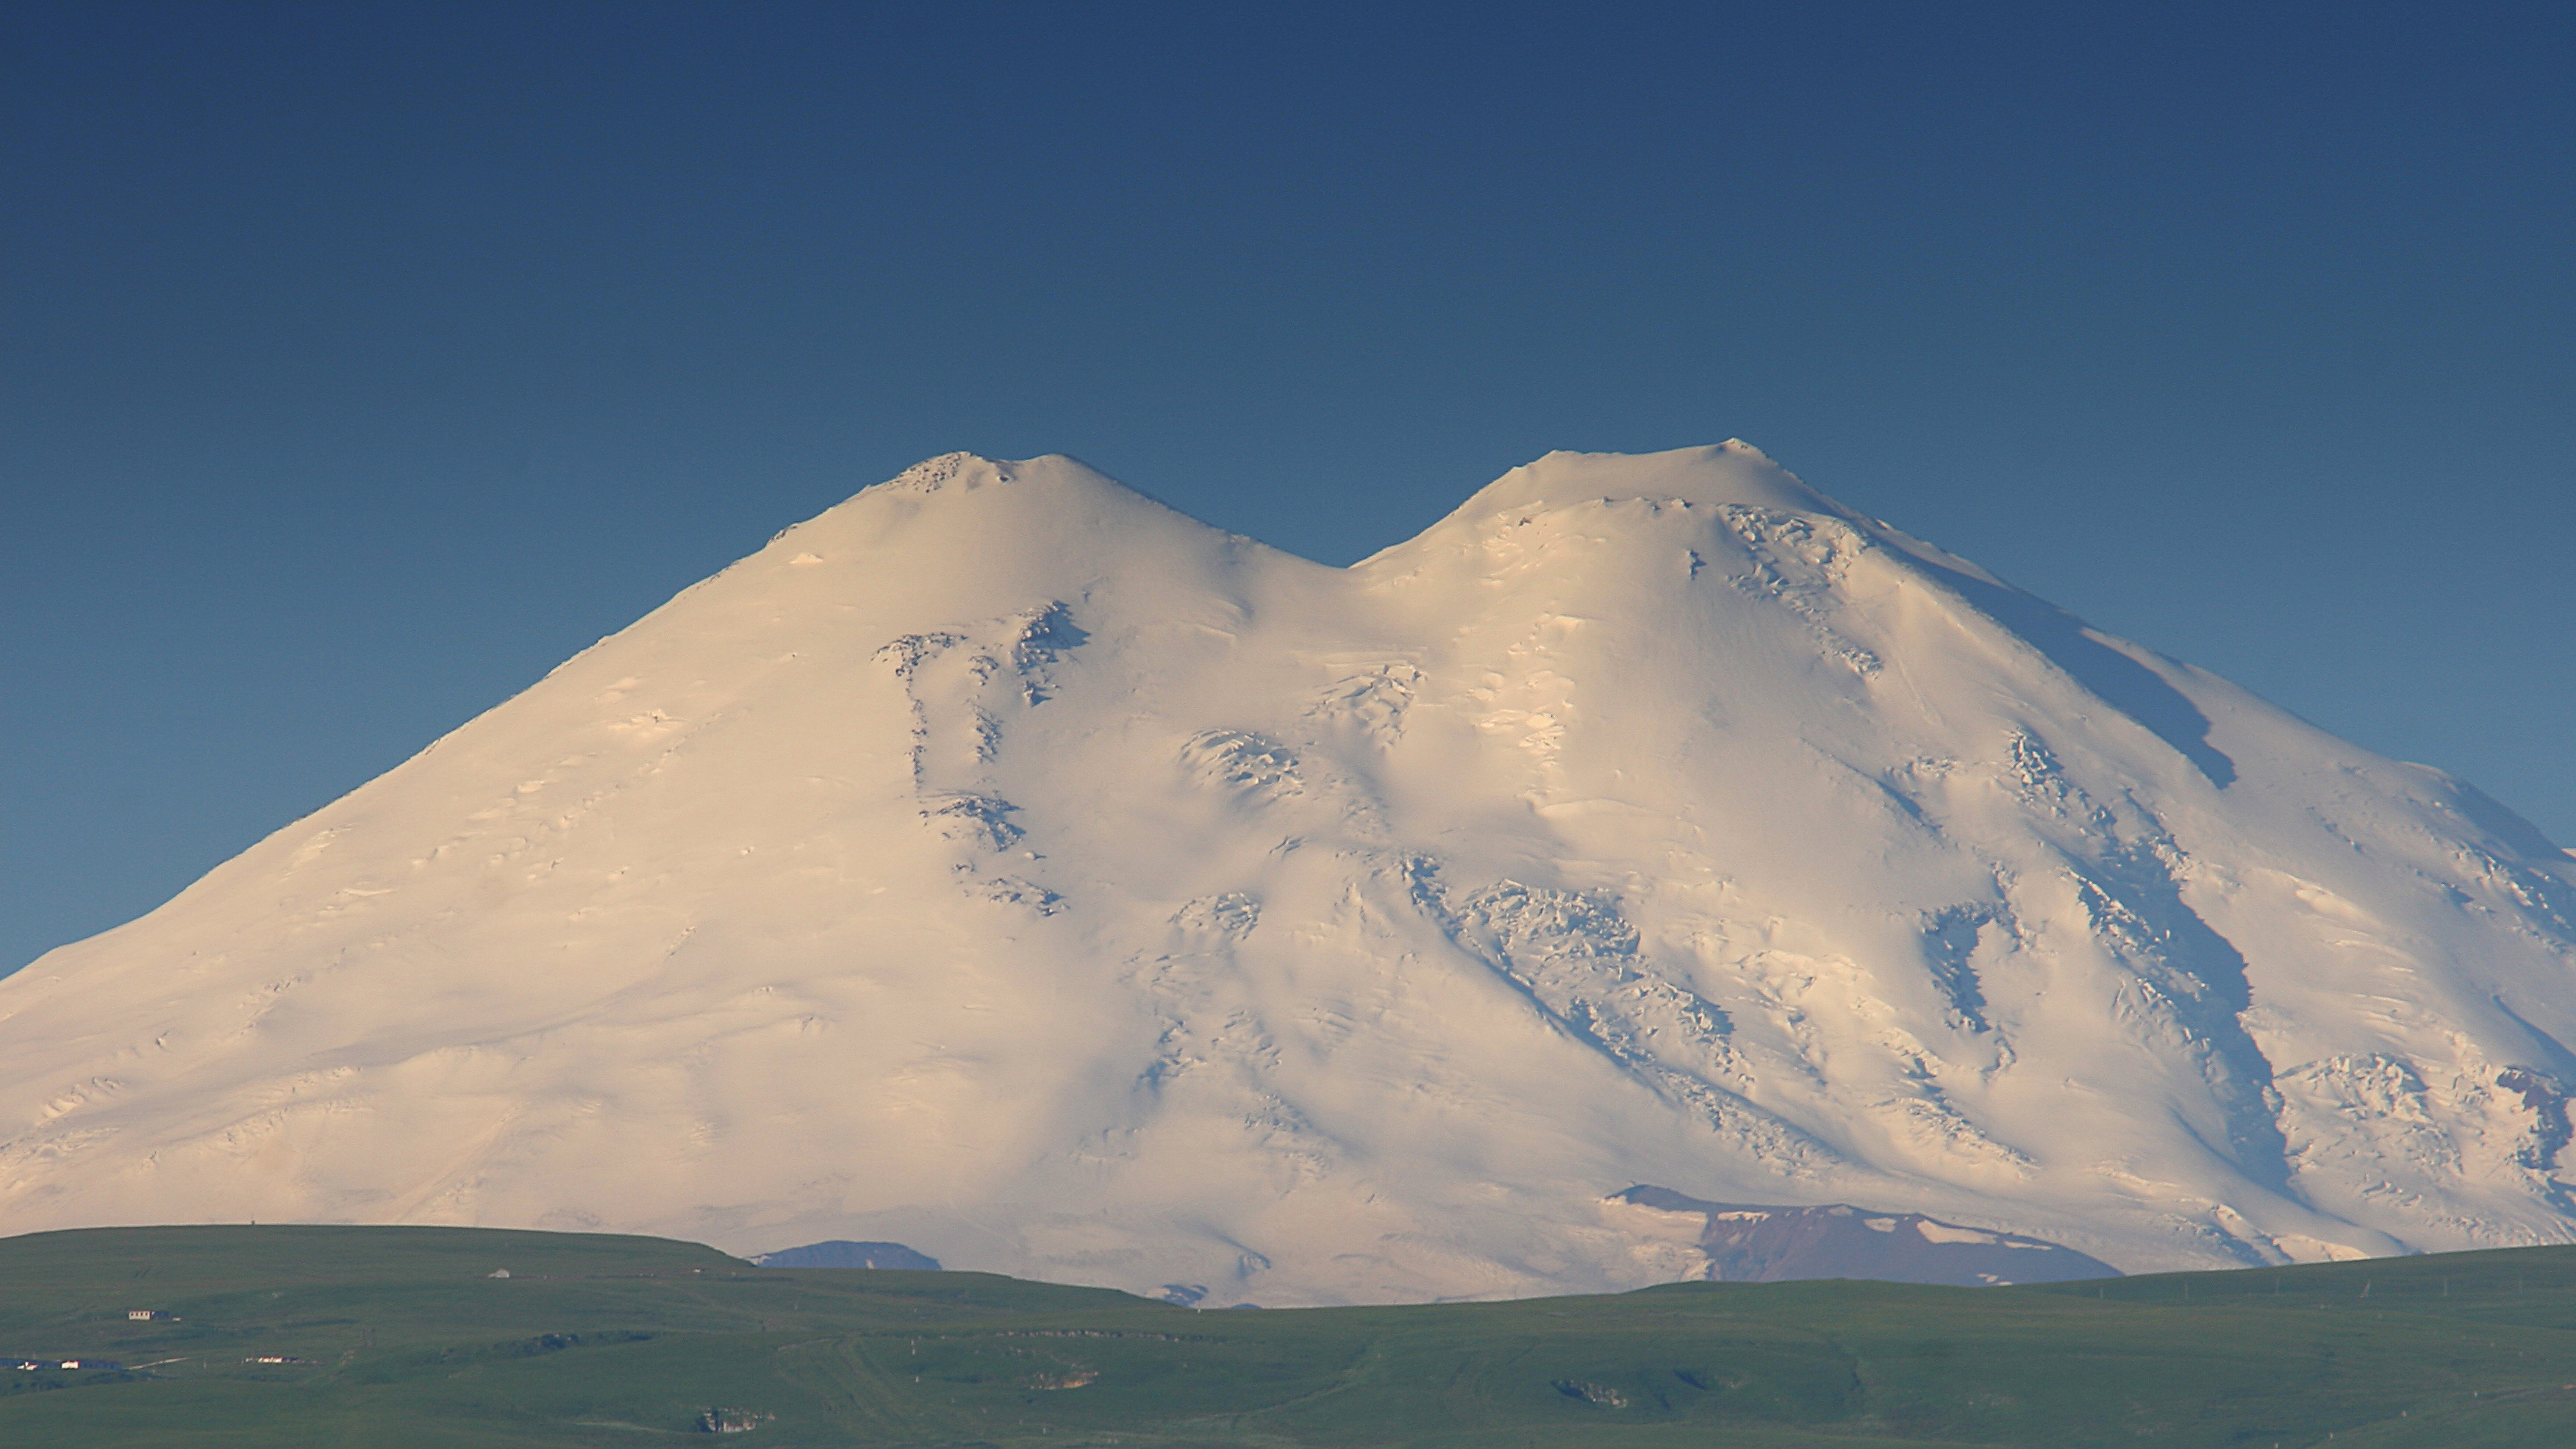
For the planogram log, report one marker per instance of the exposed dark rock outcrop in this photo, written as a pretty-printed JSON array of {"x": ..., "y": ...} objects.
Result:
[{"x": 1748, "y": 1243}]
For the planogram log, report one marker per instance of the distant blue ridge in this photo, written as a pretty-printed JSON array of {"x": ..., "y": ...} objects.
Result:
[{"x": 841, "y": 1253}]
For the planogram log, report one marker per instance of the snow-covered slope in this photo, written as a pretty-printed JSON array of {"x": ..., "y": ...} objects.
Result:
[{"x": 1006, "y": 865}]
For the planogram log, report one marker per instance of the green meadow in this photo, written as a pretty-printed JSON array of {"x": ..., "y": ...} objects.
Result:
[{"x": 280, "y": 1337}]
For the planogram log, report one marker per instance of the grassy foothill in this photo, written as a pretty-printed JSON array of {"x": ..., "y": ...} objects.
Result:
[{"x": 280, "y": 1337}]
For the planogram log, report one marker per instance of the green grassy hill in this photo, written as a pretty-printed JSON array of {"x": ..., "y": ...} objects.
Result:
[{"x": 294, "y": 1336}]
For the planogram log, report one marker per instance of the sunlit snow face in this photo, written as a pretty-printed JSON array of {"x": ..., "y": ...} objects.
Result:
[{"x": 1005, "y": 865}]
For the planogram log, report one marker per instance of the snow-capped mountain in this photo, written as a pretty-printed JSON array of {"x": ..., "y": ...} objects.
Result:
[{"x": 1008, "y": 866}]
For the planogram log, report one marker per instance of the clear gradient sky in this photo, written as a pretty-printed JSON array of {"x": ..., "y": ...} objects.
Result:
[{"x": 359, "y": 363}]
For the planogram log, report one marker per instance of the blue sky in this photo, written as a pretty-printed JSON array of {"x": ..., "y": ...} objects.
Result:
[{"x": 363, "y": 362}]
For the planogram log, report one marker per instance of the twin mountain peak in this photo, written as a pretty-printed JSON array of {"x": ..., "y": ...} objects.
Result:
[{"x": 1006, "y": 865}]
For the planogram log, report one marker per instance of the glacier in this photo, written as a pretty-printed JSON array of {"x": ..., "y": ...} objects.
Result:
[{"x": 1007, "y": 865}]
